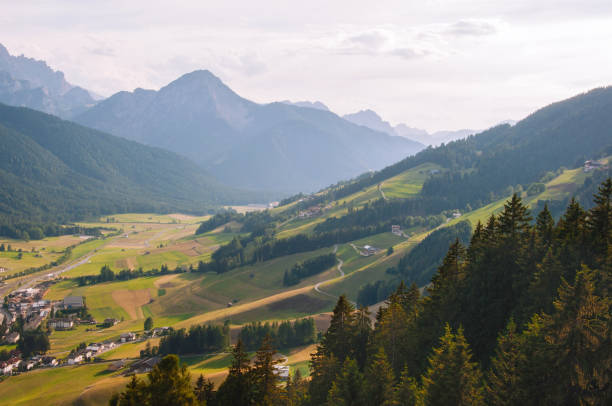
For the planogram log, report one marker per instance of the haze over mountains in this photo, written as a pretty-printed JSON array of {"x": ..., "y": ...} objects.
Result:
[
  {"x": 31, "y": 83},
  {"x": 369, "y": 118},
  {"x": 55, "y": 170},
  {"x": 277, "y": 146}
]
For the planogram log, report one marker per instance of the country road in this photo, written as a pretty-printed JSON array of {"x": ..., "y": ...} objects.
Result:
[
  {"x": 54, "y": 274},
  {"x": 339, "y": 267}
]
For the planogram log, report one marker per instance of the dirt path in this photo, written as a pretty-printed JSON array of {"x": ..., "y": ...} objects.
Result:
[
  {"x": 339, "y": 267},
  {"x": 382, "y": 193}
]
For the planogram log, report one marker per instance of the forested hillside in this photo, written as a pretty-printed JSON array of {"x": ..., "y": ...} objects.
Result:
[
  {"x": 276, "y": 146},
  {"x": 56, "y": 171},
  {"x": 488, "y": 166},
  {"x": 521, "y": 316}
]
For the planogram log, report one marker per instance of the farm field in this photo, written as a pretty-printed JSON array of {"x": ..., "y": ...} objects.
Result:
[
  {"x": 408, "y": 183},
  {"x": 242, "y": 295}
]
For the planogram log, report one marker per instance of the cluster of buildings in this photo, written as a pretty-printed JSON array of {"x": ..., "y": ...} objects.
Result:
[
  {"x": 368, "y": 250},
  {"x": 593, "y": 165},
  {"x": 28, "y": 304},
  {"x": 15, "y": 363},
  {"x": 310, "y": 212},
  {"x": 89, "y": 352}
]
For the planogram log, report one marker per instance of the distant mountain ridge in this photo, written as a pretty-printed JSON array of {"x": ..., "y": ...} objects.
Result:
[
  {"x": 277, "y": 146},
  {"x": 55, "y": 170},
  {"x": 369, "y": 118},
  {"x": 32, "y": 83}
]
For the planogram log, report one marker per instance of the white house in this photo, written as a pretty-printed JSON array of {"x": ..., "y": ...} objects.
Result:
[
  {"x": 75, "y": 359},
  {"x": 127, "y": 337}
]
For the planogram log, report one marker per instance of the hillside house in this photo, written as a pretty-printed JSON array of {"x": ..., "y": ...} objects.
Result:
[
  {"x": 75, "y": 359},
  {"x": 73, "y": 302},
  {"x": 397, "y": 230},
  {"x": 12, "y": 364},
  {"x": 282, "y": 371},
  {"x": 110, "y": 322},
  {"x": 369, "y": 250},
  {"x": 143, "y": 366},
  {"x": 49, "y": 361},
  {"x": 125, "y": 337},
  {"x": 61, "y": 324}
]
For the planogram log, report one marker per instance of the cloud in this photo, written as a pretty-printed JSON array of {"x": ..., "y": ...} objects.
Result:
[
  {"x": 378, "y": 42},
  {"x": 471, "y": 28}
]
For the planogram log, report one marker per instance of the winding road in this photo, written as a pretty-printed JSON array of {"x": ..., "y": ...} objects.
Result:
[{"x": 340, "y": 263}]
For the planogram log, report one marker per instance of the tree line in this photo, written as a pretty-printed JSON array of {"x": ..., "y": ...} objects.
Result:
[
  {"x": 199, "y": 339},
  {"x": 385, "y": 213},
  {"x": 108, "y": 275},
  {"x": 310, "y": 267},
  {"x": 522, "y": 315},
  {"x": 285, "y": 334}
]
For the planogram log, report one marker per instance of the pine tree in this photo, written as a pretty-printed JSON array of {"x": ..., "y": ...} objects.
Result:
[
  {"x": 341, "y": 330},
  {"x": 544, "y": 226},
  {"x": 237, "y": 387},
  {"x": 452, "y": 378},
  {"x": 391, "y": 335},
  {"x": 379, "y": 381},
  {"x": 170, "y": 383},
  {"x": 264, "y": 376},
  {"x": 347, "y": 388},
  {"x": 599, "y": 223},
  {"x": 135, "y": 394},
  {"x": 407, "y": 391},
  {"x": 362, "y": 336},
  {"x": 579, "y": 334},
  {"x": 204, "y": 391},
  {"x": 504, "y": 385}
]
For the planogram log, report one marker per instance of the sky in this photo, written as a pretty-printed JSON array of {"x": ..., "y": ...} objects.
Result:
[{"x": 432, "y": 64}]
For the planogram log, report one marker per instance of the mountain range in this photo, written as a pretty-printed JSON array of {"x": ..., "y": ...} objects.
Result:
[
  {"x": 31, "y": 83},
  {"x": 53, "y": 170},
  {"x": 369, "y": 118},
  {"x": 277, "y": 146}
]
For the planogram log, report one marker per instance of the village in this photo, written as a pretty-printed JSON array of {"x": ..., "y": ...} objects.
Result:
[{"x": 25, "y": 310}]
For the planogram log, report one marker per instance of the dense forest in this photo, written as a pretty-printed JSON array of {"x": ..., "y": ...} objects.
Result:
[
  {"x": 200, "y": 339},
  {"x": 54, "y": 171},
  {"x": 286, "y": 334},
  {"x": 482, "y": 167},
  {"x": 520, "y": 316},
  {"x": 308, "y": 268},
  {"x": 418, "y": 265}
]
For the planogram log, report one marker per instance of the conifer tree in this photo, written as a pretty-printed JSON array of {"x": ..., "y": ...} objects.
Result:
[
  {"x": 347, "y": 388},
  {"x": 264, "y": 376},
  {"x": 237, "y": 387},
  {"x": 341, "y": 330},
  {"x": 379, "y": 381},
  {"x": 408, "y": 391},
  {"x": 579, "y": 335},
  {"x": 504, "y": 387},
  {"x": 599, "y": 223},
  {"x": 170, "y": 383},
  {"x": 452, "y": 378},
  {"x": 204, "y": 391},
  {"x": 544, "y": 226}
]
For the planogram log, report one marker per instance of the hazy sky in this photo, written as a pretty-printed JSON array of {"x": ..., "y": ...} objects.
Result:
[{"x": 432, "y": 64}]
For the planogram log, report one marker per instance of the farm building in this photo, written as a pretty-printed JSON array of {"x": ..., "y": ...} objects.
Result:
[
  {"x": 61, "y": 324},
  {"x": 73, "y": 302},
  {"x": 125, "y": 337}
]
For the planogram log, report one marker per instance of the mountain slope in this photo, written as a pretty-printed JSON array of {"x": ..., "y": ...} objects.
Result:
[
  {"x": 31, "y": 83},
  {"x": 54, "y": 170},
  {"x": 371, "y": 119},
  {"x": 200, "y": 117},
  {"x": 483, "y": 167}
]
